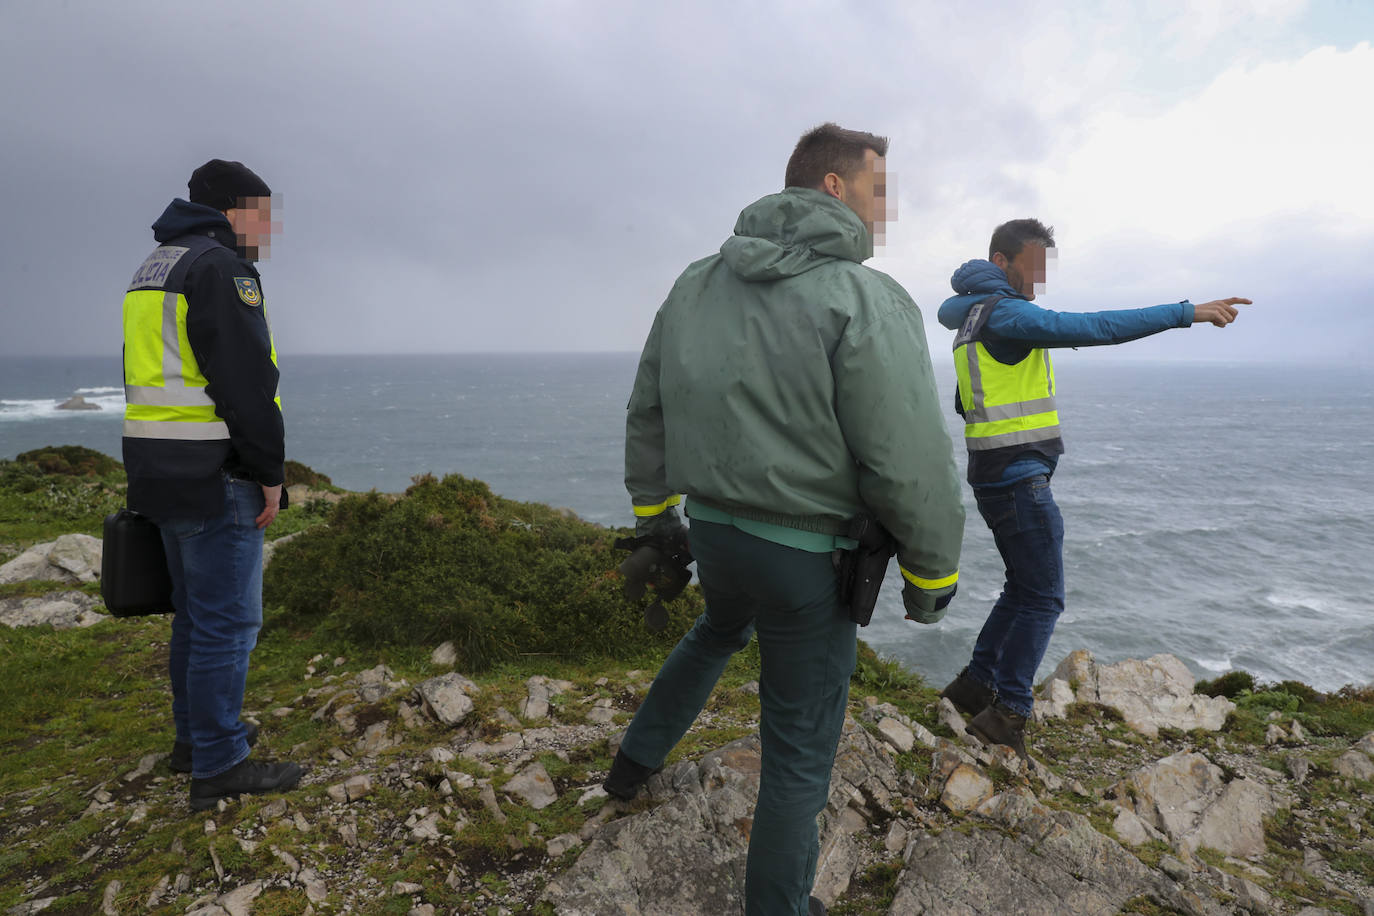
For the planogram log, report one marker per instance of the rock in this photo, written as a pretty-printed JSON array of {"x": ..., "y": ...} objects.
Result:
[
  {"x": 59, "y": 610},
  {"x": 356, "y": 787},
  {"x": 895, "y": 841},
  {"x": 269, "y": 548},
  {"x": 424, "y": 909},
  {"x": 337, "y": 793},
  {"x": 1299, "y": 768},
  {"x": 1132, "y": 831},
  {"x": 562, "y": 843},
  {"x": 447, "y": 697},
  {"x": 1275, "y": 734},
  {"x": 427, "y": 828},
  {"x": 1185, "y": 797},
  {"x": 375, "y": 684},
  {"x": 237, "y": 902},
  {"x": 445, "y": 655},
  {"x": 965, "y": 789},
  {"x": 1366, "y": 744},
  {"x": 533, "y": 786},
  {"x": 107, "y": 901},
  {"x": 603, "y": 713},
  {"x": 1151, "y": 694},
  {"x": 374, "y": 740},
  {"x": 536, "y": 704},
  {"x": 1054, "y": 700},
  {"x": 897, "y": 734},
  {"x": 77, "y": 402},
  {"x": 315, "y": 890},
  {"x": 145, "y": 766},
  {"x": 701, "y": 824},
  {"x": 949, "y": 717},
  {"x": 71, "y": 558},
  {"x": 32, "y": 906},
  {"x": 1354, "y": 764}
]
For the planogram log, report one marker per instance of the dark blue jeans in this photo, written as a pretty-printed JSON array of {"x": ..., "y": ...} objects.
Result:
[
  {"x": 807, "y": 647},
  {"x": 1029, "y": 532},
  {"x": 216, "y": 567}
]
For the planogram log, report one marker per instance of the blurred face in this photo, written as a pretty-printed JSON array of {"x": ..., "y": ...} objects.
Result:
[
  {"x": 1028, "y": 271},
  {"x": 253, "y": 226},
  {"x": 866, "y": 193}
]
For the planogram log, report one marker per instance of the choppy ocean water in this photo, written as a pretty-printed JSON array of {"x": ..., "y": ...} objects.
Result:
[{"x": 1224, "y": 513}]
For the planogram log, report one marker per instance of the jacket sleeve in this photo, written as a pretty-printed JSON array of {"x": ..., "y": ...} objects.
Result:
[
  {"x": 1025, "y": 322},
  {"x": 234, "y": 348},
  {"x": 889, "y": 411},
  {"x": 646, "y": 474}
]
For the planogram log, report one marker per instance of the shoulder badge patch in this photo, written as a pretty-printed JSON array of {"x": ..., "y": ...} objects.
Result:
[{"x": 248, "y": 290}]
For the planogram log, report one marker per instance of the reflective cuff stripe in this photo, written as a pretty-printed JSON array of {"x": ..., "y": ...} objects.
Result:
[
  {"x": 1013, "y": 411},
  {"x": 917, "y": 581},
  {"x": 991, "y": 440},
  {"x": 174, "y": 429},
  {"x": 651, "y": 511},
  {"x": 167, "y": 397}
]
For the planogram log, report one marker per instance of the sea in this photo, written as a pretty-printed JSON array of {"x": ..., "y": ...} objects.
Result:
[{"x": 1223, "y": 513}]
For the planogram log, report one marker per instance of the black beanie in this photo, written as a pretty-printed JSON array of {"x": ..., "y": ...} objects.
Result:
[{"x": 220, "y": 184}]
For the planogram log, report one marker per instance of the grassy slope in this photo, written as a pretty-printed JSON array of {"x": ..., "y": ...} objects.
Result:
[{"x": 78, "y": 709}]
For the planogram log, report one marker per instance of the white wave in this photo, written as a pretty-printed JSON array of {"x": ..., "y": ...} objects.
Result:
[
  {"x": 106, "y": 389},
  {"x": 1325, "y": 607},
  {"x": 1214, "y": 664},
  {"x": 16, "y": 409}
]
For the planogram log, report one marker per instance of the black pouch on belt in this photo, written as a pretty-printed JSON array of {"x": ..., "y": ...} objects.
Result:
[
  {"x": 133, "y": 567},
  {"x": 861, "y": 570}
]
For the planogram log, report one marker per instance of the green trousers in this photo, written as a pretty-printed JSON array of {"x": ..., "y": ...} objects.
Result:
[{"x": 807, "y": 645}]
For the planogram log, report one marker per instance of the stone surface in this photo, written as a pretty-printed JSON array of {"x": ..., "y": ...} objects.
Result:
[
  {"x": 965, "y": 789},
  {"x": 1151, "y": 694},
  {"x": 1354, "y": 764},
  {"x": 73, "y": 558},
  {"x": 444, "y": 655},
  {"x": 897, "y": 734},
  {"x": 1185, "y": 797},
  {"x": 1053, "y": 700},
  {"x": 533, "y": 786},
  {"x": 701, "y": 824},
  {"x": 59, "y": 610},
  {"x": 447, "y": 697}
]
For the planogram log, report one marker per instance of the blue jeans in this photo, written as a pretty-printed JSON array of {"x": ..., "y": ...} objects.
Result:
[
  {"x": 1029, "y": 532},
  {"x": 807, "y": 647},
  {"x": 216, "y": 568}
]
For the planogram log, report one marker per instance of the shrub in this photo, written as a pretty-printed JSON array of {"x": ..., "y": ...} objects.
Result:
[
  {"x": 69, "y": 461},
  {"x": 452, "y": 561},
  {"x": 1229, "y": 685},
  {"x": 296, "y": 472}
]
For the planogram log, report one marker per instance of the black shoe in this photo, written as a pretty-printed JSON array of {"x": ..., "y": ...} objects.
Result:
[
  {"x": 626, "y": 777},
  {"x": 967, "y": 695},
  {"x": 247, "y": 777},
  {"x": 999, "y": 725},
  {"x": 180, "y": 761},
  {"x": 815, "y": 908}
]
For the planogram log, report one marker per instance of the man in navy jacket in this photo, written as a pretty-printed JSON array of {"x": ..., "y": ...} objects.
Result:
[{"x": 1007, "y": 398}]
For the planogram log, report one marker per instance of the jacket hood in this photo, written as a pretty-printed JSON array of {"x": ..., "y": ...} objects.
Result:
[
  {"x": 973, "y": 281},
  {"x": 185, "y": 218},
  {"x": 786, "y": 234}
]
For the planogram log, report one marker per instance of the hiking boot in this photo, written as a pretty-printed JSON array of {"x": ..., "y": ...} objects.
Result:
[
  {"x": 247, "y": 777},
  {"x": 999, "y": 725},
  {"x": 626, "y": 777},
  {"x": 967, "y": 695},
  {"x": 180, "y": 761},
  {"x": 814, "y": 907}
]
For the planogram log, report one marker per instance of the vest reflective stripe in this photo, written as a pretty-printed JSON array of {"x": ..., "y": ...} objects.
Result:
[
  {"x": 167, "y": 397},
  {"x": 175, "y": 429},
  {"x": 651, "y": 511}
]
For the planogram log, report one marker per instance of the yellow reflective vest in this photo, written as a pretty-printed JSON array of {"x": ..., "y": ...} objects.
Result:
[{"x": 1007, "y": 409}]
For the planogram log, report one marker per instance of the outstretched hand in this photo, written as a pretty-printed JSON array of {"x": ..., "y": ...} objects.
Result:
[{"x": 1219, "y": 312}]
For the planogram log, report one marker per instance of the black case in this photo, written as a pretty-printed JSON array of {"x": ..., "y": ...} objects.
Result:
[{"x": 133, "y": 567}]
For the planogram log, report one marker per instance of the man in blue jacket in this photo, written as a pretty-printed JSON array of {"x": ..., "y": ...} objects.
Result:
[{"x": 1011, "y": 428}]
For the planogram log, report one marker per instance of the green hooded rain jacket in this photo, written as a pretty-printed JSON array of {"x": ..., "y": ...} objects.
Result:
[{"x": 784, "y": 382}]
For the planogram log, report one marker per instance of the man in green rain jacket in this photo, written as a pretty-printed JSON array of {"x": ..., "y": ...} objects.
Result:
[{"x": 785, "y": 389}]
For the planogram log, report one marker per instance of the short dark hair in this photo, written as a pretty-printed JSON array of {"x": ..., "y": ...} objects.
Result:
[
  {"x": 829, "y": 148},
  {"x": 1010, "y": 237}
]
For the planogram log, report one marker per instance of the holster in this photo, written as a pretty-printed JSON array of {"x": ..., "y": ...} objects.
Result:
[{"x": 861, "y": 569}]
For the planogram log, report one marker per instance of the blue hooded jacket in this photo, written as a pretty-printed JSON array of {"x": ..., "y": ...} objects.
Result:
[{"x": 1018, "y": 326}]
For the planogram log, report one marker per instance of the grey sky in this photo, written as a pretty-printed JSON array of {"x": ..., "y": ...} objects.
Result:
[{"x": 533, "y": 176}]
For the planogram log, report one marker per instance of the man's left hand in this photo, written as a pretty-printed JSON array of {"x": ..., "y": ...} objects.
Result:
[{"x": 272, "y": 505}]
